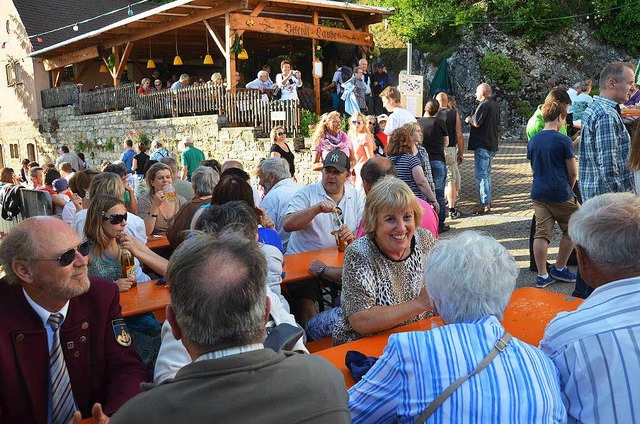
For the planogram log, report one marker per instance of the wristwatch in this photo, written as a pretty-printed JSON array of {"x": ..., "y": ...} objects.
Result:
[{"x": 321, "y": 270}]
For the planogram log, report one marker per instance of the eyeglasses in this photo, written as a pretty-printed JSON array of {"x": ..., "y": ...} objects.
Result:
[
  {"x": 158, "y": 84},
  {"x": 115, "y": 218},
  {"x": 67, "y": 257},
  {"x": 279, "y": 134},
  {"x": 357, "y": 122},
  {"x": 372, "y": 123}
]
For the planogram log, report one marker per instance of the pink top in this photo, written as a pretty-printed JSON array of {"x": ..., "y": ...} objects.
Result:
[
  {"x": 329, "y": 143},
  {"x": 429, "y": 220}
]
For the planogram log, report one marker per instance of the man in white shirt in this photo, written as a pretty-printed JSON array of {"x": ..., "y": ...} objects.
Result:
[
  {"x": 263, "y": 82},
  {"x": 596, "y": 347},
  {"x": 398, "y": 116},
  {"x": 279, "y": 188}
]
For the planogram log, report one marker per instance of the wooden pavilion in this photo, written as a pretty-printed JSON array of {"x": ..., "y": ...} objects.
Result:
[{"x": 267, "y": 28}]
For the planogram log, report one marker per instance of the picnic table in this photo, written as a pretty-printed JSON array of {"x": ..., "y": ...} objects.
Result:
[{"x": 526, "y": 317}]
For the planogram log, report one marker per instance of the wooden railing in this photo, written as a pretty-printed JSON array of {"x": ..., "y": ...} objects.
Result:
[
  {"x": 60, "y": 96},
  {"x": 108, "y": 99}
]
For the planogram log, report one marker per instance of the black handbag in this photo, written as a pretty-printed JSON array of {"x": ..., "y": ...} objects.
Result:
[
  {"x": 283, "y": 337},
  {"x": 276, "y": 93}
]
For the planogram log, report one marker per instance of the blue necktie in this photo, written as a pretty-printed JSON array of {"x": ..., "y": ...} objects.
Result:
[{"x": 61, "y": 395}]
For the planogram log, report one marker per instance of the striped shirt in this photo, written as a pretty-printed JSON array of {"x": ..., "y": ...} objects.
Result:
[
  {"x": 405, "y": 163},
  {"x": 520, "y": 385},
  {"x": 597, "y": 351},
  {"x": 603, "y": 151}
]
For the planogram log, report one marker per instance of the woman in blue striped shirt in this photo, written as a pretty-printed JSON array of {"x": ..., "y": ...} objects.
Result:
[{"x": 469, "y": 279}]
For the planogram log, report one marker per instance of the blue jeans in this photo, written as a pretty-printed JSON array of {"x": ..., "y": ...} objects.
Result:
[
  {"x": 483, "y": 159},
  {"x": 439, "y": 172}
]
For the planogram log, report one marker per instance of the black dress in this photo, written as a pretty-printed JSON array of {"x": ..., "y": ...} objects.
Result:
[
  {"x": 288, "y": 156},
  {"x": 141, "y": 161}
]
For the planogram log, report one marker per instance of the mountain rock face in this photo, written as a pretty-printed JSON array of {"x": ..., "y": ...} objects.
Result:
[{"x": 562, "y": 60}]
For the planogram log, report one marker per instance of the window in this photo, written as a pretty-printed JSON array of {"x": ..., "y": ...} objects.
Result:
[
  {"x": 31, "y": 152},
  {"x": 14, "y": 150},
  {"x": 14, "y": 73}
]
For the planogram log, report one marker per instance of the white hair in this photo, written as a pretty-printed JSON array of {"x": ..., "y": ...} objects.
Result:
[
  {"x": 469, "y": 277},
  {"x": 277, "y": 167},
  {"x": 187, "y": 140},
  {"x": 260, "y": 73},
  {"x": 607, "y": 227}
]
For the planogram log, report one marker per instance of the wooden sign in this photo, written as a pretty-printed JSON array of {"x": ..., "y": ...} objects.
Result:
[
  {"x": 71, "y": 58},
  {"x": 299, "y": 29}
]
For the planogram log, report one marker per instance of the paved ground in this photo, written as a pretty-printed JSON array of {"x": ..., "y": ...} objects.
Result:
[{"x": 510, "y": 217}]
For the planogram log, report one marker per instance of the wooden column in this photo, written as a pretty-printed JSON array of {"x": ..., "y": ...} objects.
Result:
[
  {"x": 114, "y": 72},
  {"x": 316, "y": 81},
  {"x": 231, "y": 63}
]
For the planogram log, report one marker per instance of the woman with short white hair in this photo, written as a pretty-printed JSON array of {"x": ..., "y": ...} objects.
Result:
[{"x": 469, "y": 279}]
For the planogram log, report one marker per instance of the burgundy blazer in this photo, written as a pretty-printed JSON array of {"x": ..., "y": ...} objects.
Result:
[{"x": 100, "y": 369}]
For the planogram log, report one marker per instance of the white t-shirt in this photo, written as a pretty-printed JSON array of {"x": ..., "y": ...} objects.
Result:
[
  {"x": 317, "y": 234},
  {"x": 276, "y": 202},
  {"x": 398, "y": 118},
  {"x": 290, "y": 90},
  {"x": 135, "y": 226}
]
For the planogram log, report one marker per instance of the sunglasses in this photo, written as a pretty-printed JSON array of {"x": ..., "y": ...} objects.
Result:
[
  {"x": 357, "y": 122},
  {"x": 67, "y": 257},
  {"x": 158, "y": 84},
  {"x": 115, "y": 218},
  {"x": 279, "y": 134}
]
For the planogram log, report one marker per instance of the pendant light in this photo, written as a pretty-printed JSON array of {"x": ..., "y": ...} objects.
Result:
[
  {"x": 177, "y": 61},
  {"x": 243, "y": 55},
  {"x": 103, "y": 69},
  {"x": 150, "y": 63},
  {"x": 208, "y": 60}
]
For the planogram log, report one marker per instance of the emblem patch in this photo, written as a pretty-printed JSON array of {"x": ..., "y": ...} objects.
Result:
[{"x": 121, "y": 332}]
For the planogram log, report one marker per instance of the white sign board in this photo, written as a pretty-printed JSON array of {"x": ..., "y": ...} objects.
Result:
[
  {"x": 279, "y": 115},
  {"x": 411, "y": 88}
]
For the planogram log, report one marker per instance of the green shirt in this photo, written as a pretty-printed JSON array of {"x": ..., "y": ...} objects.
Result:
[
  {"x": 536, "y": 124},
  {"x": 191, "y": 158}
]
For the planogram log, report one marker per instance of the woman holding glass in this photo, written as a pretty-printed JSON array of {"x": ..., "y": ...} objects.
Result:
[{"x": 158, "y": 208}]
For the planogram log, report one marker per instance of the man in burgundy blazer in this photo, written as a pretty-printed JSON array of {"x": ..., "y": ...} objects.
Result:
[{"x": 103, "y": 365}]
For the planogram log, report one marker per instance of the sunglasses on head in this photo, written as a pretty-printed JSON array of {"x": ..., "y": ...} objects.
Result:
[
  {"x": 279, "y": 134},
  {"x": 115, "y": 218},
  {"x": 67, "y": 257},
  {"x": 357, "y": 122}
]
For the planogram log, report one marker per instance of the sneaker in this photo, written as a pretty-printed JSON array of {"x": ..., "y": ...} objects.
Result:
[
  {"x": 544, "y": 282},
  {"x": 479, "y": 210},
  {"x": 565, "y": 275},
  {"x": 454, "y": 213},
  {"x": 443, "y": 229}
]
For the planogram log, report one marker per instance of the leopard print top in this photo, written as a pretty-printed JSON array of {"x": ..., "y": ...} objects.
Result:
[{"x": 371, "y": 279}]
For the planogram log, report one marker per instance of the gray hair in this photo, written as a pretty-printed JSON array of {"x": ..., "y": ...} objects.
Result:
[
  {"x": 184, "y": 77},
  {"x": 171, "y": 163},
  {"x": 614, "y": 70},
  {"x": 217, "y": 290},
  {"x": 18, "y": 245},
  {"x": 261, "y": 73},
  {"x": 470, "y": 276},
  {"x": 204, "y": 180},
  {"x": 277, "y": 167},
  {"x": 607, "y": 227}
]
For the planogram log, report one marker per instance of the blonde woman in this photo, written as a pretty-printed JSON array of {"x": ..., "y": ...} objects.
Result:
[
  {"x": 327, "y": 137},
  {"x": 280, "y": 149},
  {"x": 362, "y": 143},
  {"x": 158, "y": 209}
]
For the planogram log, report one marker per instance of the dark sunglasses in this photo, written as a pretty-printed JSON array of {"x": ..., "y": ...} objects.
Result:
[
  {"x": 67, "y": 257},
  {"x": 279, "y": 134},
  {"x": 115, "y": 218},
  {"x": 159, "y": 83},
  {"x": 357, "y": 122}
]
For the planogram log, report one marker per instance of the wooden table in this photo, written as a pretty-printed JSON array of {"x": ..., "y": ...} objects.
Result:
[
  {"x": 145, "y": 297},
  {"x": 630, "y": 111},
  {"x": 527, "y": 315},
  {"x": 296, "y": 266},
  {"x": 156, "y": 243}
]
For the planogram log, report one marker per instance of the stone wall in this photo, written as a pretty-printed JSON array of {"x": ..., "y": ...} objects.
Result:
[
  {"x": 101, "y": 136},
  {"x": 25, "y": 135}
]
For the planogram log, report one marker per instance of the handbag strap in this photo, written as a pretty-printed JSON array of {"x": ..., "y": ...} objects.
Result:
[{"x": 500, "y": 345}]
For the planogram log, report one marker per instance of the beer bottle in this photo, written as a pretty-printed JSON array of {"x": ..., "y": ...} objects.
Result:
[{"x": 128, "y": 265}]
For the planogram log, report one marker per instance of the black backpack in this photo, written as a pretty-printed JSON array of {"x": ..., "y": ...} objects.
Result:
[{"x": 10, "y": 202}]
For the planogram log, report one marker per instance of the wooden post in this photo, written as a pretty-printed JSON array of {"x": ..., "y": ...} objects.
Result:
[
  {"x": 316, "y": 81},
  {"x": 114, "y": 71},
  {"x": 231, "y": 63},
  {"x": 56, "y": 73}
]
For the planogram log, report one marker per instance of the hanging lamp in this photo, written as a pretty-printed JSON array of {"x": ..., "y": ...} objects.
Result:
[
  {"x": 103, "y": 69},
  {"x": 177, "y": 61},
  {"x": 208, "y": 60},
  {"x": 150, "y": 63},
  {"x": 243, "y": 55}
]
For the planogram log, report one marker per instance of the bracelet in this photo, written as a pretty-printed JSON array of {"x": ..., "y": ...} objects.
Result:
[
  {"x": 152, "y": 215},
  {"x": 321, "y": 270}
]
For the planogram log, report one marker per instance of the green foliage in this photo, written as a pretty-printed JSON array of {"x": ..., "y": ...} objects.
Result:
[
  {"x": 142, "y": 138},
  {"x": 502, "y": 70},
  {"x": 523, "y": 108},
  {"x": 308, "y": 120},
  {"x": 534, "y": 21},
  {"x": 80, "y": 146},
  {"x": 619, "y": 26},
  {"x": 110, "y": 146}
]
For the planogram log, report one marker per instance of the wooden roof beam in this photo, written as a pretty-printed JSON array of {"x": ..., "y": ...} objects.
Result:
[
  {"x": 217, "y": 39},
  {"x": 70, "y": 58},
  {"x": 255, "y": 12},
  {"x": 217, "y": 10}
]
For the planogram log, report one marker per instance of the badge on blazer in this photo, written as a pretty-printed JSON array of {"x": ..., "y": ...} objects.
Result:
[{"x": 121, "y": 332}]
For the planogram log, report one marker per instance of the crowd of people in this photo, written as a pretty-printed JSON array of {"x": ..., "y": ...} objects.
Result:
[{"x": 386, "y": 186}]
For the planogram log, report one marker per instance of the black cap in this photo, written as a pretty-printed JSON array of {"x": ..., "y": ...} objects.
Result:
[{"x": 338, "y": 160}]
